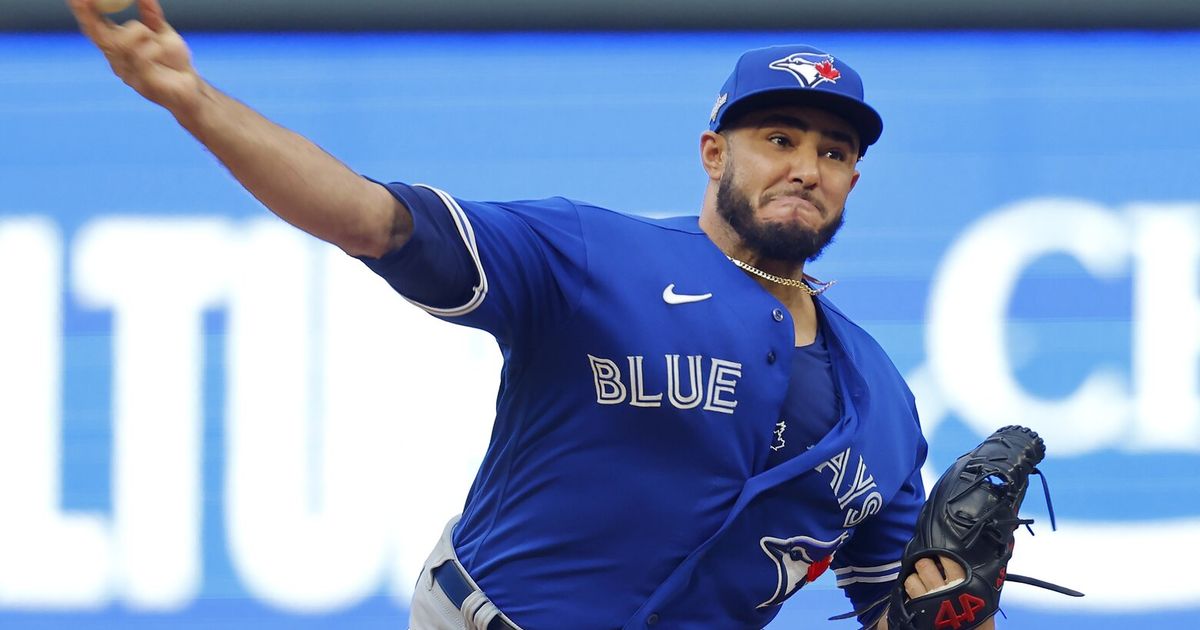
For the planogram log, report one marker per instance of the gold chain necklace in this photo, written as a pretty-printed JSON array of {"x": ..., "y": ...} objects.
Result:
[{"x": 787, "y": 282}]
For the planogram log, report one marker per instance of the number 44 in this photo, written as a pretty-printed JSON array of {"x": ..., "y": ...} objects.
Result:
[{"x": 948, "y": 617}]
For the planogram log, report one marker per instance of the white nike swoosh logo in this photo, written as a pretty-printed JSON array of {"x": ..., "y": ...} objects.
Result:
[{"x": 671, "y": 297}]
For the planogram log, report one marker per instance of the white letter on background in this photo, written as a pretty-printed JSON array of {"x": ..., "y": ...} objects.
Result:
[
  {"x": 47, "y": 559},
  {"x": 967, "y": 312},
  {"x": 157, "y": 275},
  {"x": 355, "y": 424},
  {"x": 1166, "y": 331}
]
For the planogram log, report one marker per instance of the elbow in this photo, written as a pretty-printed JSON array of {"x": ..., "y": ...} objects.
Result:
[
  {"x": 364, "y": 246},
  {"x": 385, "y": 226},
  {"x": 370, "y": 241}
]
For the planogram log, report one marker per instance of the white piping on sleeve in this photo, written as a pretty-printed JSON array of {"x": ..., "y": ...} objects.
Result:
[
  {"x": 856, "y": 575},
  {"x": 468, "y": 236},
  {"x": 876, "y": 569},
  {"x": 869, "y": 580}
]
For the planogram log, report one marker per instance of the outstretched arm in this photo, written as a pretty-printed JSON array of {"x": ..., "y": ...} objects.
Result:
[{"x": 289, "y": 174}]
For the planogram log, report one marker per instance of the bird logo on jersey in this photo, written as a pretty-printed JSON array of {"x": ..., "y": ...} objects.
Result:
[
  {"x": 810, "y": 69},
  {"x": 798, "y": 561}
]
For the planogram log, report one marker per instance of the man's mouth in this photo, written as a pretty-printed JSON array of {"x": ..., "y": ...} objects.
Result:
[{"x": 797, "y": 200}]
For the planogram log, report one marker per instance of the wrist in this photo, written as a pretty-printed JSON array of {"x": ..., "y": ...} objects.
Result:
[{"x": 194, "y": 109}]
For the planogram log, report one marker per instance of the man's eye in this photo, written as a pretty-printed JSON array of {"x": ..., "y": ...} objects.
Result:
[
  {"x": 780, "y": 141},
  {"x": 835, "y": 154}
]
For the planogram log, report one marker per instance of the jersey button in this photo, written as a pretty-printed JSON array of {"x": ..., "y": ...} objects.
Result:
[
  {"x": 652, "y": 619},
  {"x": 777, "y": 314},
  {"x": 771, "y": 357}
]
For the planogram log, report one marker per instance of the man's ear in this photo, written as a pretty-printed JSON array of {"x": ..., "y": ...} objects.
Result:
[{"x": 714, "y": 154}]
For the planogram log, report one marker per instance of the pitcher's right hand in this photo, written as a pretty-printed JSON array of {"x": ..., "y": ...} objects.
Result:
[{"x": 147, "y": 54}]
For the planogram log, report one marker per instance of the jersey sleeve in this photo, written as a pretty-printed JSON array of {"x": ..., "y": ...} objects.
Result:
[
  {"x": 512, "y": 268},
  {"x": 868, "y": 566}
]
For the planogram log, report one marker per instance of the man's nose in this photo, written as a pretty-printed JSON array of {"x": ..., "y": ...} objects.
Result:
[{"x": 805, "y": 167}]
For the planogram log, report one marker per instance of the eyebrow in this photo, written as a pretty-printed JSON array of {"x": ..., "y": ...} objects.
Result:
[{"x": 795, "y": 122}]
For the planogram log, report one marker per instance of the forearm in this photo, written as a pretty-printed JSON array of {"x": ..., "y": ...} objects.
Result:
[
  {"x": 295, "y": 178},
  {"x": 290, "y": 175}
]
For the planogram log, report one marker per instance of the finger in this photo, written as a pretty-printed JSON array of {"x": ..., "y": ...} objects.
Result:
[
  {"x": 147, "y": 54},
  {"x": 914, "y": 586},
  {"x": 152, "y": 14},
  {"x": 92, "y": 22},
  {"x": 147, "y": 64},
  {"x": 126, "y": 38},
  {"x": 952, "y": 569},
  {"x": 930, "y": 574},
  {"x": 133, "y": 30}
]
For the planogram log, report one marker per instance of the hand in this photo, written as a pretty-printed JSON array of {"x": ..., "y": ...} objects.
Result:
[
  {"x": 931, "y": 576},
  {"x": 148, "y": 55}
]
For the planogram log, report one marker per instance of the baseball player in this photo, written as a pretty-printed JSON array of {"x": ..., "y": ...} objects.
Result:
[{"x": 687, "y": 431}]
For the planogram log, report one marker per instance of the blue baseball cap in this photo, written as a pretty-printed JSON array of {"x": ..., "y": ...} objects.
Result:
[{"x": 796, "y": 74}]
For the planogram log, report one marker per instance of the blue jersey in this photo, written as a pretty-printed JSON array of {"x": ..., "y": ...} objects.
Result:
[{"x": 628, "y": 478}]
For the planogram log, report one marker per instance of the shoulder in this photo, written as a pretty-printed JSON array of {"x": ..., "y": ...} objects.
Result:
[
  {"x": 554, "y": 209},
  {"x": 615, "y": 219}
]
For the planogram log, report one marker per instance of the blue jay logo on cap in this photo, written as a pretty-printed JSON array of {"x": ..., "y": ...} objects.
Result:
[
  {"x": 810, "y": 69},
  {"x": 721, "y": 100}
]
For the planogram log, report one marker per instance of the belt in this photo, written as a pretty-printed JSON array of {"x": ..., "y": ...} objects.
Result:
[{"x": 456, "y": 587}]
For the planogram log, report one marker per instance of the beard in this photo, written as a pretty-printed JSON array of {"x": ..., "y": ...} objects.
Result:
[{"x": 785, "y": 242}]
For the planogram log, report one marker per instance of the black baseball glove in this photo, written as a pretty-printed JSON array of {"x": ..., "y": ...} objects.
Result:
[{"x": 970, "y": 518}]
